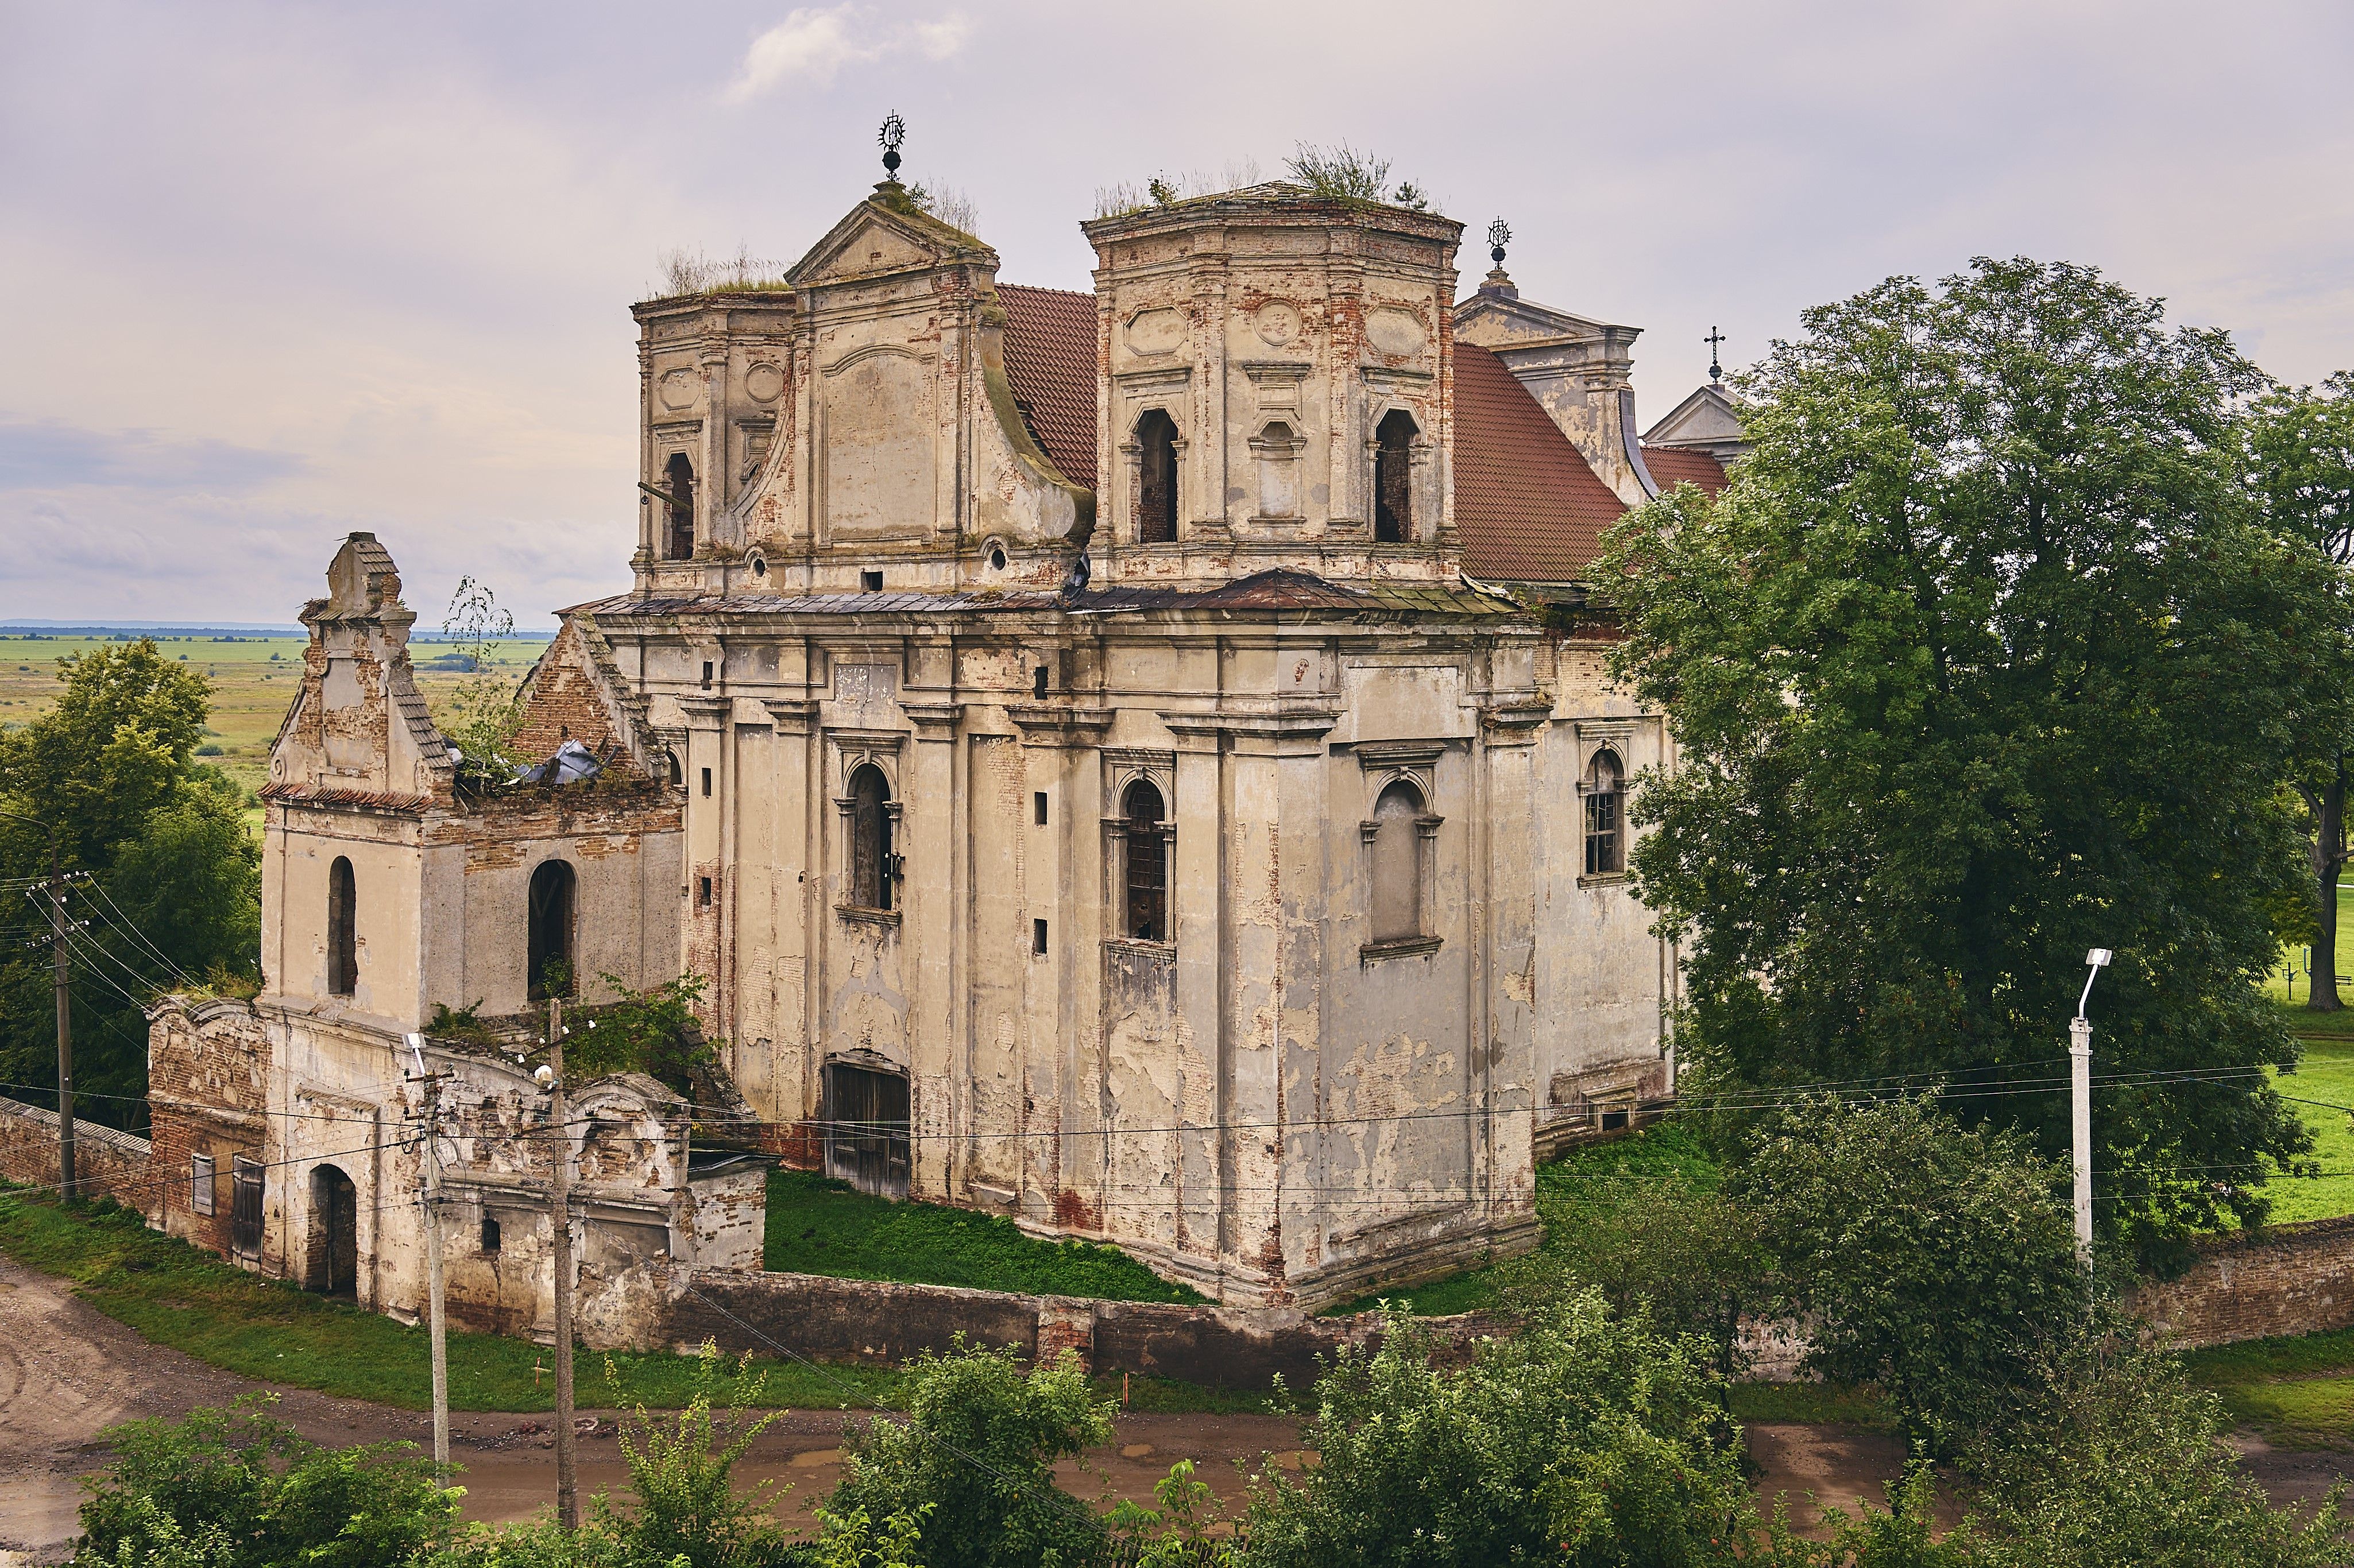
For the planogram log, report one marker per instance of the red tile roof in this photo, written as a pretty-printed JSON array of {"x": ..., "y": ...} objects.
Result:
[
  {"x": 1527, "y": 506},
  {"x": 1672, "y": 466},
  {"x": 1050, "y": 358}
]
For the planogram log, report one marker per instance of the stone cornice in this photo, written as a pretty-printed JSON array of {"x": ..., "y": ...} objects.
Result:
[{"x": 1051, "y": 724}]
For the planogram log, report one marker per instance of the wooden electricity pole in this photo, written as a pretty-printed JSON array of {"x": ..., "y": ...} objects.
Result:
[
  {"x": 568, "y": 1490},
  {"x": 437, "y": 1323}
]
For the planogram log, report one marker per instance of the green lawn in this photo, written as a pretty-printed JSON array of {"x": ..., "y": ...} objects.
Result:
[
  {"x": 2294, "y": 1394},
  {"x": 822, "y": 1226}
]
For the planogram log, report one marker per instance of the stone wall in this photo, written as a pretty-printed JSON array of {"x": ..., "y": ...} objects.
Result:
[
  {"x": 108, "y": 1162},
  {"x": 2290, "y": 1279}
]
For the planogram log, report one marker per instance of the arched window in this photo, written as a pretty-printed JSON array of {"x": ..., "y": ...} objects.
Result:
[
  {"x": 677, "y": 770},
  {"x": 1605, "y": 832},
  {"x": 1156, "y": 492},
  {"x": 1397, "y": 864},
  {"x": 342, "y": 930},
  {"x": 1393, "y": 475},
  {"x": 679, "y": 479},
  {"x": 1148, "y": 863},
  {"x": 870, "y": 839},
  {"x": 1278, "y": 470},
  {"x": 550, "y": 946}
]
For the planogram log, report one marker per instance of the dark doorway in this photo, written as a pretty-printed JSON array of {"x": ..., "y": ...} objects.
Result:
[
  {"x": 678, "y": 480},
  {"x": 245, "y": 1206},
  {"x": 1156, "y": 499},
  {"x": 334, "y": 1255},
  {"x": 550, "y": 941},
  {"x": 866, "y": 1129}
]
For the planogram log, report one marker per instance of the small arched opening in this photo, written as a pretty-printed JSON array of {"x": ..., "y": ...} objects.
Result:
[
  {"x": 549, "y": 949},
  {"x": 1156, "y": 489},
  {"x": 1393, "y": 478},
  {"x": 679, "y": 481},
  {"x": 1146, "y": 912},
  {"x": 332, "y": 1258},
  {"x": 343, "y": 929},
  {"x": 870, "y": 839}
]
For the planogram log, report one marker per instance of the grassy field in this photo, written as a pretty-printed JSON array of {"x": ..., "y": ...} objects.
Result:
[
  {"x": 253, "y": 679},
  {"x": 2294, "y": 1394},
  {"x": 822, "y": 1226}
]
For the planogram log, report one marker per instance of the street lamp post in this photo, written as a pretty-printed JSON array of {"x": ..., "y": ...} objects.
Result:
[{"x": 2080, "y": 1079}]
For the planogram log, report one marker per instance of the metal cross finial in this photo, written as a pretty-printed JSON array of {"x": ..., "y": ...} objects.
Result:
[
  {"x": 895, "y": 131},
  {"x": 1499, "y": 236},
  {"x": 1714, "y": 338}
]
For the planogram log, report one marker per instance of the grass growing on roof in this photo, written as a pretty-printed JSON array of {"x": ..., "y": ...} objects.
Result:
[
  {"x": 821, "y": 1226},
  {"x": 1665, "y": 1148}
]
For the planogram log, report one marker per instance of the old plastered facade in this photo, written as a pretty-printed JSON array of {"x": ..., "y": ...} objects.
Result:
[
  {"x": 1117, "y": 792},
  {"x": 294, "y": 1125}
]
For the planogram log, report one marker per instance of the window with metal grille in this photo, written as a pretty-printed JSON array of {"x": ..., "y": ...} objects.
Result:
[
  {"x": 1148, "y": 863},
  {"x": 679, "y": 477},
  {"x": 1393, "y": 475},
  {"x": 1606, "y": 838},
  {"x": 1156, "y": 490},
  {"x": 245, "y": 1206}
]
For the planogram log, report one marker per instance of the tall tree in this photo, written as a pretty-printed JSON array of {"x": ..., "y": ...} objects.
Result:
[
  {"x": 2301, "y": 469},
  {"x": 1984, "y": 657},
  {"x": 168, "y": 876}
]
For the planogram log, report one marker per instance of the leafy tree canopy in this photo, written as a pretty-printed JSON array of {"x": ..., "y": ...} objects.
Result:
[{"x": 1984, "y": 657}]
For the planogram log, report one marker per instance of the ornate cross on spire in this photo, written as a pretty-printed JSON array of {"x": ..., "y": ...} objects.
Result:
[
  {"x": 1499, "y": 236},
  {"x": 894, "y": 130},
  {"x": 1715, "y": 371}
]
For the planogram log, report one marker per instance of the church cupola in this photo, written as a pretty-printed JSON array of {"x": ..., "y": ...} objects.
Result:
[{"x": 1275, "y": 389}]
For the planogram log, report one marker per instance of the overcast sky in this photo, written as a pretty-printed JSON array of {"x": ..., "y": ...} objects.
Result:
[{"x": 276, "y": 272}]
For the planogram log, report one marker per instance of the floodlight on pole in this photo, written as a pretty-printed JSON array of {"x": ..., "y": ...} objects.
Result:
[{"x": 2080, "y": 1107}]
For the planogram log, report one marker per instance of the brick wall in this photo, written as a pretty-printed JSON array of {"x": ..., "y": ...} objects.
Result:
[
  {"x": 108, "y": 1162},
  {"x": 2291, "y": 1280}
]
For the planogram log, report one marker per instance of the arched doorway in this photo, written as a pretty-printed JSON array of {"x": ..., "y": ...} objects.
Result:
[{"x": 333, "y": 1254}]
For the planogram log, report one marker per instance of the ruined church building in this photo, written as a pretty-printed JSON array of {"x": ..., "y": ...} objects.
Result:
[{"x": 1137, "y": 761}]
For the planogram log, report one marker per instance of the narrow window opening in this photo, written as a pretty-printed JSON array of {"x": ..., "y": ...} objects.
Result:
[
  {"x": 1392, "y": 473},
  {"x": 342, "y": 930},
  {"x": 677, "y": 769},
  {"x": 870, "y": 838},
  {"x": 707, "y": 672},
  {"x": 550, "y": 947},
  {"x": 871, "y": 582},
  {"x": 679, "y": 478},
  {"x": 702, "y": 893},
  {"x": 1038, "y": 683},
  {"x": 200, "y": 1184},
  {"x": 760, "y": 566},
  {"x": 1038, "y": 806},
  {"x": 1614, "y": 1120},
  {"x": 1038, "y": 938},
  {"x": 706, "y": 781},
  {"x": 1606, "y": 838},
  {"x": 1397, "y": 864},
  {"x": 1156, "y": 490},
  {"x": 1147, "y": 864},
  {"x": 490, "y": 1233}
]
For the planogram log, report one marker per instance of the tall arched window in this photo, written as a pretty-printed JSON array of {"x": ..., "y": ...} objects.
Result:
[
  {"x": 870, "y": 839},
  {"x": 1156, "y": 492},
  {"x": 342, "y": 930},
  {"x": 1605, "y": 832},
  {"x": 550, "y": 945},
  {"x": 679, "y": 479},
  {"x": 1148, "y": 863},
  {"x": 1397, "y": 864},
  {"x": 1393, "y": 475}
]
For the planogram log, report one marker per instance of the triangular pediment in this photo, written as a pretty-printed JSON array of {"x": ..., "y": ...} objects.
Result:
[
  {"x": 876, "y": 240},
  {"x": 1496, "y": 320},
  {"x": 1708, "y": 417}
]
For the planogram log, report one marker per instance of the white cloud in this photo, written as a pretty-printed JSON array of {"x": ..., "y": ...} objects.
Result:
[{"x": 813, "y": 43}]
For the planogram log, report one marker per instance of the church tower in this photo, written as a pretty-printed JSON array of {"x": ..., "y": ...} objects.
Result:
[{"x": 1275, "y": 391}]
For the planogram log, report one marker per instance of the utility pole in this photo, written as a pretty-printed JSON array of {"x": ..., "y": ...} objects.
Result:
[
  {"x": 568, "y": 1490},
  {"x": 2080, "y": 1106},
  {"x": 65, "y": 1026},
  {"x": 437, "y": 1323}
]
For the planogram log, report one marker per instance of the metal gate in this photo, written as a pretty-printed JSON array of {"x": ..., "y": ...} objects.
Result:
[{"x": 866, "y": 1129}]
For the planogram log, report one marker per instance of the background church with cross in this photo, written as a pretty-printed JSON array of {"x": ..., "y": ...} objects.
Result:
[{"x": 1139, "y": 761}]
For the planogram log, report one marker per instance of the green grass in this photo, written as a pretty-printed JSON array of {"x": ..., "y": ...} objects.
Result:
[
  {"x": 1810, "y": 1404},
  {"x": 2294, "y": 1394},
  {"x": 1658, "y": 1149},
  {"x": 821, "y": 1226}
]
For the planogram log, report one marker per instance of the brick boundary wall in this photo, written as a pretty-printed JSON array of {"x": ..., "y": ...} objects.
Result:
[
  {"x": 2288, "y": 1279},
  {"x": 883, "y": 1323},
  {"x": 108, "y": 1161}
]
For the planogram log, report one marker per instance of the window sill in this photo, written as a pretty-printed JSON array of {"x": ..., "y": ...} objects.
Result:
[
  {"x": 1165, "y": 952},
  {"x": 1603, "y": 879},
  {"x": 865, "y": 917},
  {"x": 1407, "y": 947}
]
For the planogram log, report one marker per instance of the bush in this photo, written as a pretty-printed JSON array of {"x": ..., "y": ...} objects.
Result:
[
  {"x": 1933, "y": 1261},
  {"x": 235, "y": 1489},
  {"x": 974, "y": 1462},
  {"x": 688, "y": 1512},
  {"x": 1584, "y": 1439}
]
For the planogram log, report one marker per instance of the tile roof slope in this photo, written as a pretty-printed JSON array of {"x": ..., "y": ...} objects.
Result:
[
  {"x": 1527, "y": 506},
  {"x": 1050, "y": 358},
  {"x": 1672, "y": 466}
]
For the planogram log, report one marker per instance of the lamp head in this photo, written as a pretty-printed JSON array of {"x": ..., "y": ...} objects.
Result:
[{"x": 2098, "y": 957}]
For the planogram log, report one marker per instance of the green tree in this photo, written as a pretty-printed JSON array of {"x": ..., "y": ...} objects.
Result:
[
  {"x": 481, "y": 713},
  {"x": 687, "y": 1510},
  {"x": 974, "y": 1462},
  {"x": 1982, "y": 658},
  {"x": 1584, "y": 1439},
  {"x": 2300, "y": 468},
  {"x": 168, "y": 878},
  {"x": 239, "y": 1489},
  {"x": 1934, "y": 1261}
]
